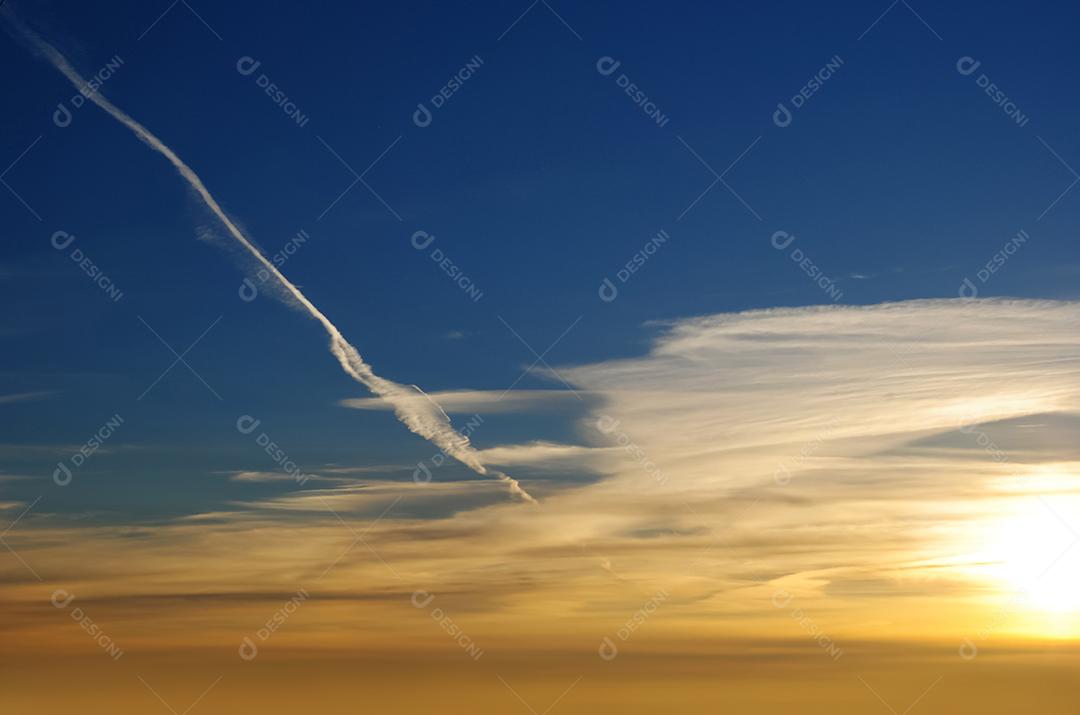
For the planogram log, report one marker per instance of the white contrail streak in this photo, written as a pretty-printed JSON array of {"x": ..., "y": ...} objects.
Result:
[{"x": 411, "y": 405}]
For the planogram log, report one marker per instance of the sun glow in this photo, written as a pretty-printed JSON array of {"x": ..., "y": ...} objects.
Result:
[{"x": 1034, "y": 553}]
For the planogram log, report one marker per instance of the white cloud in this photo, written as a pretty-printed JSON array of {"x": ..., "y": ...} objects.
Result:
[
  {"x": 27, "y": 396},
  {"x": 482, "y": 401},
  {"x": 418, "y": 412},
  {"x": 881, "y": 511}
]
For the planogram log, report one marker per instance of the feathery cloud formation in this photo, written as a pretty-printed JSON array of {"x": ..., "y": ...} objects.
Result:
[{"x": 413, "y": 408}]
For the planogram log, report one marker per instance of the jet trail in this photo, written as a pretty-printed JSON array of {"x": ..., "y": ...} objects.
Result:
[{"x": 412, "y": 406}]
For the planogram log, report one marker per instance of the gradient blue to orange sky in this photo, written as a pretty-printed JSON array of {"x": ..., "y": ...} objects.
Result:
[{"x": 680, "y": 357}]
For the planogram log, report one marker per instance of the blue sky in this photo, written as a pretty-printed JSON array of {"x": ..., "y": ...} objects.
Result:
[{"x": 539, "y": 178}]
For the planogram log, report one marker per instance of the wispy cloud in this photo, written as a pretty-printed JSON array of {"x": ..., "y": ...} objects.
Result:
[
  {"x": 26, "y": 396},
  {"x": 414, "y": 409},
  {"x": 482, "y": 401},
  {"x": 836, "y": 454}
]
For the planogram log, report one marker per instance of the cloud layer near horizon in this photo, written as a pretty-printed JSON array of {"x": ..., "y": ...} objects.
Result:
[{"x": 838, "y": 455}]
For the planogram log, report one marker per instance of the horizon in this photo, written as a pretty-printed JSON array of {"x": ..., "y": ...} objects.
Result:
[{"x": 549, "y": 358}]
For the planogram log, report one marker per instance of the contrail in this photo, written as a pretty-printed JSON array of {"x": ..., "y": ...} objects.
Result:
[{"x": 412, "y": 406}]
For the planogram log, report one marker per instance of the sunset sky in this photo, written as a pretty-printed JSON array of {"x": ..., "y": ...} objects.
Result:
[{"x": 550, "y": 358}]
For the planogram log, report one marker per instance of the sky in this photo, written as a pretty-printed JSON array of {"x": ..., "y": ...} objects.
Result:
[{"x": 697, "y": 350}]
